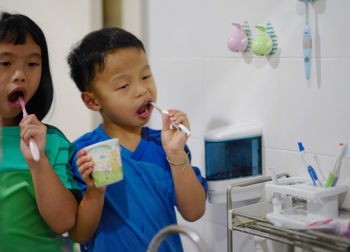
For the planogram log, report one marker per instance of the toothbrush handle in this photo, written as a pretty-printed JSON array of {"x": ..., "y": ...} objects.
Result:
[
  {"x": 34, "y": 149},
  {"x": 329, "y": 180},
  {"x": 314, "y": 177},
  {"x": 182, "y": 128}
]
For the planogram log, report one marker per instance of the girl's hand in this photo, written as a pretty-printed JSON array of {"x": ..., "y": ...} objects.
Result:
[
  {"x": 85, "y": 167},
  {"x": 174, "y": 140},
  {"x": 31, "y": 127}
]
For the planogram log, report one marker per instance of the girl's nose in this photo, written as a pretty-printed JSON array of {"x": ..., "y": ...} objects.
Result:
[{"x": 19, "y": 76}]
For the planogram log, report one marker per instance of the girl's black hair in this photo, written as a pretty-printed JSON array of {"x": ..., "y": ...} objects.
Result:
[
  {"x": 13, "y": 29},
  {"x": 89, "y": 54}
]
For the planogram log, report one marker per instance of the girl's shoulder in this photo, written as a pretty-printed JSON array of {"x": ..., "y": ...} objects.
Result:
[
  {"x": 56, "y": 139},
  {"x": 52, "y": 130}
]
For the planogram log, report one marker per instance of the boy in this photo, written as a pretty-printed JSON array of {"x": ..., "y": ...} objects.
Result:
[{"x": 111, "y": 69}]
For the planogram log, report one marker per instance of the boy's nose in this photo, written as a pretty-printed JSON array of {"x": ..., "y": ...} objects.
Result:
[{"x": 141, "y": 90}]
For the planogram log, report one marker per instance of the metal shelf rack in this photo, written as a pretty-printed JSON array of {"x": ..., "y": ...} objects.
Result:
[{"x": 251, "y": 219}]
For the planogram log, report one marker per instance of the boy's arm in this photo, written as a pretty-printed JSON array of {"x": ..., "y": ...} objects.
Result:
[
  {"x": 90, "y": 208},
  {"x": 189, "y": 192},
  {"x": 88, "y": 216}
]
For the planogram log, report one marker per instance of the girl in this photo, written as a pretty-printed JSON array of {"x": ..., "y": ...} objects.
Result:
[{"x": 38, "y": 199}]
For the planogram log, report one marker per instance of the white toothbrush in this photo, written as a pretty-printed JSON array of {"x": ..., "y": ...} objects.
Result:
[
  {"x": 180, "y": 126},
  {"x": 32, "y": 144},
  {"x": 335, "y": 173}
]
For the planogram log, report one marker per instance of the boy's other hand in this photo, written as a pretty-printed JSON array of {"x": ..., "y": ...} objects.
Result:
[
  {"x": 174, "y": 140},
  {"x": 85, "y": 167}
]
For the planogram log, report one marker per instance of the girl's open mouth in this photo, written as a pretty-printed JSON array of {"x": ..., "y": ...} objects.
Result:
[{"x": 13, "y": 97}]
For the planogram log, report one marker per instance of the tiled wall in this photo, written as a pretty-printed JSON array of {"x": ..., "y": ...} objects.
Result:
[{"x": 195, "y": 72}]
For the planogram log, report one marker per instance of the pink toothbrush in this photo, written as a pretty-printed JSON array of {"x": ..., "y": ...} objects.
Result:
[{"x": 32, "y": 144}]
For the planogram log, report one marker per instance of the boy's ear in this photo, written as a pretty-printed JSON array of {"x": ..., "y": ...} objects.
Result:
[{"x": 90, "y": 101}]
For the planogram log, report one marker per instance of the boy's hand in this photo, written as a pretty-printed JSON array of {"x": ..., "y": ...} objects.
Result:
[
  {"x": 174, "y": 140},
  {"x": 85, "y": 167},
  {"x": 31, "y": 127}
]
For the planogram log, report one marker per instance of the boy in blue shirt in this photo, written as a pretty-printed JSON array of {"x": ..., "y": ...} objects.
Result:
[{"x": 110, "y": 68}]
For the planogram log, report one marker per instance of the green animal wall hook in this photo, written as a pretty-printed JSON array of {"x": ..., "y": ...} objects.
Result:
[{"x": 262, "y": 44}]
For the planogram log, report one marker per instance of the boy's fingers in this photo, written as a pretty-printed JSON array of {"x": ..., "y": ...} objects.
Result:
[
  {"x": 82, "y": 152},
  {"x": 85, "y": 166},
  {"x": 87, "y": 174},
  {"x": 82, "y": 160},
  {"x": 178, "y": 116},
  {"x": 166, "y": 122}
]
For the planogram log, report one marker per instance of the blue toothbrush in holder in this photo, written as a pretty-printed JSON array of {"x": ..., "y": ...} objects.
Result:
[{"x": 310, "y": 169}]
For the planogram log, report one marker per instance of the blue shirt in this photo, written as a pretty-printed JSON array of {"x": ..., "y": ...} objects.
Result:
[{"x": 140, "y": 205}]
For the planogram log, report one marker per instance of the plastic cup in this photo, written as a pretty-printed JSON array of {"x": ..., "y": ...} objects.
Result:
[{"x": 107, "y": 162}]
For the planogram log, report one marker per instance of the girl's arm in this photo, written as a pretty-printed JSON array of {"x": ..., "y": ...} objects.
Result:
[
  {"x": 90, "y": 208},
  {"x": 56, "y": 203},
  {"x": 189, "y": 192}
]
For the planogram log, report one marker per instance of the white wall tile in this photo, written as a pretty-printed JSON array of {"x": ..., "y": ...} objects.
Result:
[
  {"x": 315, "y": 115},
  {"x": 174, "y": 28}
]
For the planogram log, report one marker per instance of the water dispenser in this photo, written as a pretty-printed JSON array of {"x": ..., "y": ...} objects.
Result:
[{"x": 232, "y": 152}]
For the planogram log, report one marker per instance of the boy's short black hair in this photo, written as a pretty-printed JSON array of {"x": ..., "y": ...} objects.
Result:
[
  {"x": 13, "y": 29},
  {"x": 89, "y": 54}
]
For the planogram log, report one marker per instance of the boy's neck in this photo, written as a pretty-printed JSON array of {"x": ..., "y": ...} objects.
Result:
[{"x": 128, "y": 137}]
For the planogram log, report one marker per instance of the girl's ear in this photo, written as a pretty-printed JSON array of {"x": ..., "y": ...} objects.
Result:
[{"x": 90, "y": 101}]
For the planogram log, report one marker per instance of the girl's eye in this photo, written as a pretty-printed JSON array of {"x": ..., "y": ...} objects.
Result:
[
  {"x": 146, "y": 77},
  {"x": 5, "y": 63},
  {"x": 33, "y": 64}
]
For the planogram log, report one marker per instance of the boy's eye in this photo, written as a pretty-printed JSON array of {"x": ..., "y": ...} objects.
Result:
[
  {"x": 146, "y": 77},
  {"x": 124, "y": 86}
]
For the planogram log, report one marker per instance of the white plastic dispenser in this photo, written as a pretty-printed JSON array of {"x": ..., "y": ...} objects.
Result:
[{"x": 233, "y": 153}]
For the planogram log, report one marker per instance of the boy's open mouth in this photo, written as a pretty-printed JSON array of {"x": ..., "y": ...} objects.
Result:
[{"x": 144, "y": 108}]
